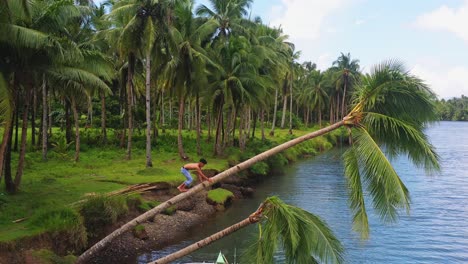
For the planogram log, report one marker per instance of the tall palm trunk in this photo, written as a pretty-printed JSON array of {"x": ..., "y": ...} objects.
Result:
[
  {"x": 208, "y": 122},
  {"x": 103, "y": 118},
  {"x": 33, "y": 118},
  {"x": 85, "y": 257},
  {"x": 252, "y": 219},
  {"x": 131, "y": 65},
  {"x": 254, "y": 126},
  {"x": 6, "y": 139},
  {"x": 272, "y": 132},
  {"x": 290, "y": 104},
  {"x": 285, "y": 105},
  {"x": 180, "y": 145},
  {"x": 49, "y": 112},
  {"x": 163, "y": 123},
  {"x": 44, "y": 120},
  {"x": 198, "y": 112},
  {"x": 262, "y": 123},
  {"x": 24, "y": 133},
  {"x": 344, "y": 92},
  {"x": 77, "y": 129},
  {"x": 219, "y": 121},
  {"x": 16, "y": 117},
  {"x": 149, "y": 163},
  {"x": 9, "y": 185},
  {"x": 68, "y": 125}
]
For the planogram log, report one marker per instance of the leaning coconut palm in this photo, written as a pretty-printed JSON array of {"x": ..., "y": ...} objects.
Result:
[
  {"x": 392, "y": 108},
  {"x": 305, "y": 237}
]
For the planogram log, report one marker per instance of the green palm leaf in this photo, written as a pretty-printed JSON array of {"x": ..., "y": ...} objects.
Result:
[
  {"x": 304, "y": 236},
  {"x": 399, "y": 136},
  {"x": 385, "y": 186},
  {"x": 356, "y": 195}
]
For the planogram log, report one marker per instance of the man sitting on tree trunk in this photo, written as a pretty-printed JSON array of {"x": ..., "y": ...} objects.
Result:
[{"x": 192, "y": 166}]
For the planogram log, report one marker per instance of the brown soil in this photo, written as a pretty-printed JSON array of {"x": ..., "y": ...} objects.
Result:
[{"x": 164, "y": 230}]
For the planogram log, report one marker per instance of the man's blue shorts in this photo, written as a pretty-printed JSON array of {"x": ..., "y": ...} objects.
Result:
[{"x": 187, "y": 175}]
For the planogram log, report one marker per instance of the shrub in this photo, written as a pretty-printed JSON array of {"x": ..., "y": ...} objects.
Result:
[
  {"x": 49, "y": 257},
  {"x": 65, "y": 225},
  {"x": 260, "y": 168},
  {"x": 99, "y": 211}
]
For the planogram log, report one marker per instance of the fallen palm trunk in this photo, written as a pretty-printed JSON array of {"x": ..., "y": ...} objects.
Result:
[{"x": 83, "y": 258}]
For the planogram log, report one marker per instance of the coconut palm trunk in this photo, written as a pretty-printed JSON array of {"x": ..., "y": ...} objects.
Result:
[
  {"x": 86, "y": 256},
  {"x": 131, "y": 64},
  {"x": 285, "y": 105},
  {"x": 24, "y": 133},
  {"x": 33, "y": 117},
  {"x": 44, "y": 120},
  {"x": 180, "y": 145},
  {"x": 272, "y": 132},
  {"x": 103, "y": 118},
  {"x": 262, "y": 123},
  {"x": 290, "y": 105},
  {"x": 252, "y": 219},
  {"x": 149, "y": 163},
  {"x": 198, "y": 111},
  {"x": 3, "y": 147},
  {"x": 77, "y": 130}
]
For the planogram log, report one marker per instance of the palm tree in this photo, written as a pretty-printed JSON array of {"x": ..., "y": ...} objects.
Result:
[
  {"x": 349, "y": 72},
  {"x": 36, "y": 38},
  {"x": 186, "y": 69},
  {"x": 227, "y": 14},
  {"x": 391, "y": 107},
  {"x": 304, "y": 236}
]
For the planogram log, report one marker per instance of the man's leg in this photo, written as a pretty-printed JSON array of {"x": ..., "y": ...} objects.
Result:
[{"x": 185, "y": 185}]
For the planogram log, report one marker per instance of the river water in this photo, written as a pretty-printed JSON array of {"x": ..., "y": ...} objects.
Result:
[{"x": 436, "y": 231}]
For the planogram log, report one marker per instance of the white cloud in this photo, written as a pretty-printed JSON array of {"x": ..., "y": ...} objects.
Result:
[
  {"x": 454, "y": 20},
  {"x": 303, "y": 19},
  {"x": 359, "y": 22},
  {"x": 324, "y": 61},
  {"x": 446, "y": 82}
]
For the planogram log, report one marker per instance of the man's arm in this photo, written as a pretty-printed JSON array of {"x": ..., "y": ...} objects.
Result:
[{"x": 200, "y": 173}]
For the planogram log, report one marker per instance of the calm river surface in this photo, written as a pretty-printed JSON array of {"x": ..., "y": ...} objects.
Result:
[{"x": 436, "y": 231}]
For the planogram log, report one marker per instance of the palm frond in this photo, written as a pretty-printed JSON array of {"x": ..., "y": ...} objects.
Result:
[
  {"x": 76, "y": 76},
  {"x": 304, "y": 236},
  {"x": 356, "y": 195},
  {"x": 385, "y": 186},
  {"x": 402, "y": 137}
]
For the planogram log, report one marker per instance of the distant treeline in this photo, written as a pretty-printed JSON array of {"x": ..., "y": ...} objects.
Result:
[{"x": 455, "y": 109}]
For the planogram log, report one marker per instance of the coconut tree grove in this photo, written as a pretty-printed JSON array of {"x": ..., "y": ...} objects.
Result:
[{"x": 141, "y": 67}]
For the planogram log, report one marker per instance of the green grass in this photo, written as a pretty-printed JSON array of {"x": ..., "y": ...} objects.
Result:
[
  {"x": 219, "y": 195},
  {"x": 59, "y": 182}
]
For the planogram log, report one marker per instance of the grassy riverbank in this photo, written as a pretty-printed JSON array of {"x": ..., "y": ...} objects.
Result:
[{"x": 60, "y": 182}]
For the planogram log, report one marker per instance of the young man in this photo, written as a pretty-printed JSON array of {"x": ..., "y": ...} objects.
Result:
[{"x": 185, "y": 171}]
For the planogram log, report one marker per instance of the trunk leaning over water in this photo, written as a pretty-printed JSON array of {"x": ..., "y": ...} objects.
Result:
[
  {"x": 86, "y": 256},
  {"x": 252, "y": 219}
]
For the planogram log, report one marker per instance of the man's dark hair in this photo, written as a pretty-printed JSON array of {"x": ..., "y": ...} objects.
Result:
[{"x": 203, "y": 161}]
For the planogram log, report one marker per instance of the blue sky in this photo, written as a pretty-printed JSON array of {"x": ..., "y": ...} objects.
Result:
[{"x": 429, "y": 36}]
